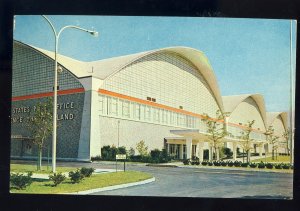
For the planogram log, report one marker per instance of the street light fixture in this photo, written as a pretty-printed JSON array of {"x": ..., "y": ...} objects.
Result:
[{"x": 92, "y": 32}]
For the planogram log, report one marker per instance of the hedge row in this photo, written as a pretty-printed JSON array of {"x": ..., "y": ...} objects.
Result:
[
  {"x": 239, "y": 164},
  {"x": 21, "y": 181},
  {"x": 156, "y": 156}
]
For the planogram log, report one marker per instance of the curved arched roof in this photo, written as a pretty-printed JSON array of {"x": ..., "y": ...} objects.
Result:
[
  {"x": 104, "y": 68},
  {"x": 231, "y": 102},
  {"x": 271, "y": 116}
]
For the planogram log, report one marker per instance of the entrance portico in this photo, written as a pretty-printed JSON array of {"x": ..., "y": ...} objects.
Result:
[{"x": 192, "y": 142}]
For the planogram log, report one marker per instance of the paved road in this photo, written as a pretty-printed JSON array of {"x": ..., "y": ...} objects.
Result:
[{"x": 197, "y": 182}]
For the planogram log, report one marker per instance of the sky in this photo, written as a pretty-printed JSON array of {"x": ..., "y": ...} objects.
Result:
[{"x": 247, "y": 55}]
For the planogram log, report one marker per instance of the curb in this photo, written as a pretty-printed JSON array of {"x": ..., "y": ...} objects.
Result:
[
  {"x": 158, "y": 165},
  {"x": 113, "y": 187},
  {"x": 236, "y": 169}
]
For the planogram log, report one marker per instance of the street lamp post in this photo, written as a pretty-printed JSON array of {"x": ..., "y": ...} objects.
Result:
[{"x": 94, "y": 33}]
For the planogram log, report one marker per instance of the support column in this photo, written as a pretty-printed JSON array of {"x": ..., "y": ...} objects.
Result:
[
  {"x": 200, "y": 151},
  {"x": 168, "y": 148},
  {"x": 181, "y": 151},
  {"x": 188, "y": 148},
  {"x": 210, "y": 157},
  {"x": 234, "y": 150},
  {"x": 218, "y": 153},
  {"x": 197, "y": 150},
  {"x": 260, "y": 149}
]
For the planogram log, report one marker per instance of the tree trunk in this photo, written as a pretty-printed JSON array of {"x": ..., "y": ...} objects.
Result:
[
  {"x": 39, "y": 165},
  {"x": 248, "y": 156},
  {"x": 218, "y": 153},
  {"x": 272, "y": 153}
]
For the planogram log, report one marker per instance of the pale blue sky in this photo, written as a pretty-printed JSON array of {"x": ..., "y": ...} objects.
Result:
[{"x": 247, "y": 55}]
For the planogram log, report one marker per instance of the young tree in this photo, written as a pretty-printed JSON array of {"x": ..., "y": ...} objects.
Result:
[
  {"x": 246, "y": 144},
  {"x": 272, "y": 139},
  {"x": 216, "y": 131},
  {"x": 286, "y": 136},
  {"x": 40, "y": 126},
  {"x": 142, "y": 148}
]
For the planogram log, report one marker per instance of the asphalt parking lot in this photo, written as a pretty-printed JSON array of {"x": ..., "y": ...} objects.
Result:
[{"x": 200, "y": 182}]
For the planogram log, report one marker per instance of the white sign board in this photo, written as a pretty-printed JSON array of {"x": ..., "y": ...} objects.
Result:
[{"x": 120, "y": 156}]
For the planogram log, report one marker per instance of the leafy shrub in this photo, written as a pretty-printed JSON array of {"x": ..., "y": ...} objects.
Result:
[
  {"x": 224, "y": 163},
  {"x": 217, "y": 163},
  {"x": 87, "y": 172},
  {"x": 204, "y": 163},
  {"x": 292, "y": 167},
  {"x": 159, "y": 156},
  {"x": 109, "y": 152},
  {"x": 253, "y": 165},
  {"x": 237, "y": 163},
  {"x": 76, "y": 176},
  {"x": 57, "y": 178},
  {"x": 261, "y": 165},
  {"x": 20, "y": 181},
  {"x": 244, "y": 164},
  {"x": 197, "y": 162},
  {"x": 96, "y": 158},
  {"x": 193, "y": 162},
  {"x": 285, "y": 166},
  {"x": 186, "y": 161},
  {"x": 230, "y": 163},
  {"x": 278, "y": 166},
  {"x": 269, "y": 165},
  {"x": 210, "y": 163}
]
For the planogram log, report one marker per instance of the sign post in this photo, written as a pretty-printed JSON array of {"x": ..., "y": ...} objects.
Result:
[{"x": 121, "y": 157}]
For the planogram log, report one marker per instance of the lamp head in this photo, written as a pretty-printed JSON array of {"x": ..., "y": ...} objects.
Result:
[{"x": 94, "y": 33}]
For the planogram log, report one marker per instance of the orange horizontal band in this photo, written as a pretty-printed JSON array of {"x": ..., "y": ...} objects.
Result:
[
  {"x": 243, "y": 126},
  {"x": 48, "y": 94},
  {"x": 145, "y": 102}
]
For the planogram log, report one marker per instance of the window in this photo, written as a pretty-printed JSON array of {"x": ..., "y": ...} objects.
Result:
[
  {"x": 153, "y": 99},
  {"x": 137, "y": 111},
  {"x": 156, "y": 115},
  {"x": 181, "y": 107},
  {"x": 149, "y": 98},
  {"x": 180, "y": 120},
  {"x": 125, "y": 109},
  {"x": 101, "y": 107},
  {"x": 164, "y": 116},
  {"x": 113, "y": 106},
  {"x": 148, "y": 113}
]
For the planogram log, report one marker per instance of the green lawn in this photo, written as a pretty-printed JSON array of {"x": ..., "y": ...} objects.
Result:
[
  {"x": 279, "y": 159},
  {"x": 95, "y": 181},
  {"x": 25, "y": 168}
]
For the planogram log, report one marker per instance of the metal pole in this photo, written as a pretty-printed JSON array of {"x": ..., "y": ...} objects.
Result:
[
  {"x": 54, "y": 134},
  {"x": 48, "y": 157},
  {"x": 118, "y": 133},
  {"x": 54, "y": 109}
]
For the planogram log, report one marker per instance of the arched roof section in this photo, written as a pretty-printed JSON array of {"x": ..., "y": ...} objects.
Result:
[
  {"x": 76, "y": 67},
  {"x": 231, "y": 103},
  {"x": 108, "y": 67},
  {"x": 271, "y": 116},
  {"x": 104, "y": 68}
]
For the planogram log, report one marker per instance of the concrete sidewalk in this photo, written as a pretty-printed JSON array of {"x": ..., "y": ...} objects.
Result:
[{"x": 46, "y": 176}]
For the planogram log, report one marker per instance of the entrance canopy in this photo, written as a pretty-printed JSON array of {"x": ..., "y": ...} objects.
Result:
[{"x": 195, "y": 134}]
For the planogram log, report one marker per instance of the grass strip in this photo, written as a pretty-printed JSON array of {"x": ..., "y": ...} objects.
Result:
[
  {"x": 20, "y": 168},
  {"x": 95, "y": 181}
]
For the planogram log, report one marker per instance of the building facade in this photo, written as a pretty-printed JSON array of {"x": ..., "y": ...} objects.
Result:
[{"x": 159, "y": 96}]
